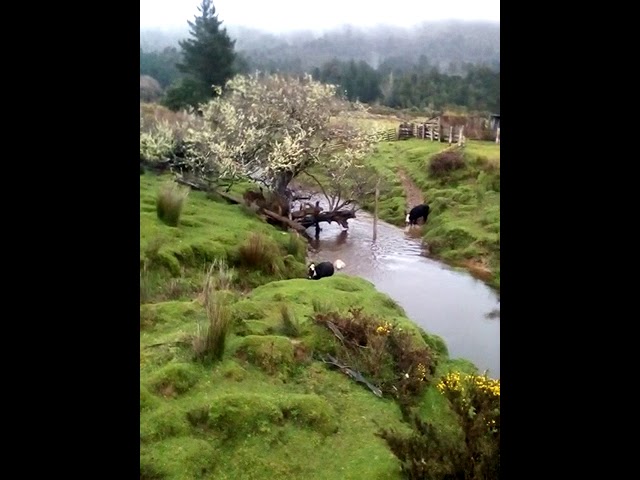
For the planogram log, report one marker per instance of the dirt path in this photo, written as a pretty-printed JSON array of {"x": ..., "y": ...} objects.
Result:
[
  {"x": 477, "y": 267},
  {"x": 411, "y": 190}
]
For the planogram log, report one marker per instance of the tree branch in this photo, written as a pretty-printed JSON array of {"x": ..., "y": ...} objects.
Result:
[{"x": 324, "y": 192}]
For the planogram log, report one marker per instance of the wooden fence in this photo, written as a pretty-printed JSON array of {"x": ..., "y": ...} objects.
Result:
[{"x": 435, "y": 130}]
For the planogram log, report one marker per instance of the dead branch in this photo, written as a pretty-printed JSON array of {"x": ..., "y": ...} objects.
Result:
[
  {"x": 199, "y": 185},
  {"x": 336, "y": 331},
  {"x": 324, "y": 192},
  {"x": 176, "y": 343},
  {"x": 355, "y": 375},
  {"x": 195, "y": 184},
  {"x": 229, "y": 198}
]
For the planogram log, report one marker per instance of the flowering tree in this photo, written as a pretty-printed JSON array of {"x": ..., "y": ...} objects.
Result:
[{"x": 271, "y": 128}]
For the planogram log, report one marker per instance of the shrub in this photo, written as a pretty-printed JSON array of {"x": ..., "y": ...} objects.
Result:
[
  {"x": 150, "y": 89},
  {"x": 445, "y": 162},
  {"x": 424, "y": 454},
  {"x": 476, "y": 401},
  {"x": 157, "y": 143},
  {"x": 382, "y": 353},
  {"x": 427, "y": 454},
  {"x": 170, "y": 202}
]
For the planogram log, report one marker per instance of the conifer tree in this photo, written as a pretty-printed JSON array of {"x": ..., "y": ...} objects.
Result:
[{"x": 208, "y": 59}]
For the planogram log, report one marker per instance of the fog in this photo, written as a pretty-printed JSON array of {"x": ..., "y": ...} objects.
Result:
[{"x": 279, "y": 16}]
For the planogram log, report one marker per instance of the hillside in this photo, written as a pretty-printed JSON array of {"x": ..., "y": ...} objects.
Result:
[
  {"x": 462, "y": 188},
  {"x": 269, "y": 408}
]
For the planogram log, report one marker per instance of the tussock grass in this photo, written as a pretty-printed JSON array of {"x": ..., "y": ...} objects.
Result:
[
  {"x": 209, "y": 345},
  {"x": 170, "y": 202},
  {"x": 290, "y": 325},
  {"x": 260, "y": 252}
]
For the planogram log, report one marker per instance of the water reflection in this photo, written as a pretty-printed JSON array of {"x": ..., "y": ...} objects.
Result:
[{"x": 442, "y": 300}]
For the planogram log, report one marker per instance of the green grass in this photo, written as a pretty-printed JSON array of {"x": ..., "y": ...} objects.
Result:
[
  {"x": 209, "y": 230},
  {"x": 264, "y": 411},
  {"x": 464, "y": 226},
  {"x": 268, "y": 408}
]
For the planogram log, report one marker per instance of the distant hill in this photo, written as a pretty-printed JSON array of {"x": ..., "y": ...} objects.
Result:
[{"x": 446, "y": 45}]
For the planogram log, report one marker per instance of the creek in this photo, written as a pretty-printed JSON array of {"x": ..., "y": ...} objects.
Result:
[{"x": 461, "y": 309}]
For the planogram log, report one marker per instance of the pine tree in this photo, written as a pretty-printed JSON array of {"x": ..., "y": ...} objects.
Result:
[{"x": 208, "y": 59}]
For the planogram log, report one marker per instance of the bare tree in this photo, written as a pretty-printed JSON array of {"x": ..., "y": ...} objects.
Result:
[{"x": 345, "y": 188}]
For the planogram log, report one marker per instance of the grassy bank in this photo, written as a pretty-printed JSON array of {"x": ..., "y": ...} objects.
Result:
[
  {"x": 464, "y": 226},
  {"x": 267, "y": 407}
]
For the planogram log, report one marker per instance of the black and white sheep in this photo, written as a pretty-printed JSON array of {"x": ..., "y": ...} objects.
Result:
[
  {"x": 417, "y": 212},
  {"x": 316, "y": 271}
]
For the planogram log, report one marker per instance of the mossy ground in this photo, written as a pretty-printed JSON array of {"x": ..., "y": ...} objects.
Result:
[
  {"x": 269, "y": 409},
  {"x": 464, "y": 224}
]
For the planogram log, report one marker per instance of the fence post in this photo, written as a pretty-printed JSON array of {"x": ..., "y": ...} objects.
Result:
[
  {"x": 498, "y": 135},
  {"x": 375, "y": 211},
  {"x": 450, "y": 135},
  {"x": 460, "y": 136}
]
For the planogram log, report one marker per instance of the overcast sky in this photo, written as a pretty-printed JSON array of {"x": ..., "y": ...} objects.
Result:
[{"x": 287, "y": 15}]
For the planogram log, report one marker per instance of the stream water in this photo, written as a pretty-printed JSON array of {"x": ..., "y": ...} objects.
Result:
[{"x": 461, "y": 309}]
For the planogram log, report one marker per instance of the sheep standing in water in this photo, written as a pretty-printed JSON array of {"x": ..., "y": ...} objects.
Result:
[
  {"x": 417, "y": 212},
  {"x": 316, "y": 271}
]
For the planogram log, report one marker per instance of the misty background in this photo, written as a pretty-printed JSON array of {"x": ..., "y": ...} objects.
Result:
[{"x": 441, "y": 64}]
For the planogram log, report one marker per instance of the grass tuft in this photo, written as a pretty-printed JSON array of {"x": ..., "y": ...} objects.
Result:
[
  {"x": 290, "y": 325},
  {"x": 209, "y": 346},
  {"x": 170, "y": 202},
  {"x": 260, "y": 252}
]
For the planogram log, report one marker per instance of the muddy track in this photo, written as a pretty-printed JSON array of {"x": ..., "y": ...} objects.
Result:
[
  {"x": 411, "y": 190},
  {"x": 477, "y": 267}
]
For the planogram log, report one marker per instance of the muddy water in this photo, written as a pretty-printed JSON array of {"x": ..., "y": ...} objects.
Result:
[{"x": 444, "y": 301}]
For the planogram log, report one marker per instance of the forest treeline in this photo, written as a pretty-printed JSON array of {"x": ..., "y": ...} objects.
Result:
[{"x": 437, "y": 65}]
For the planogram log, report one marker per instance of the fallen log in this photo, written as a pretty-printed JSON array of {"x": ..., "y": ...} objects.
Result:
[
  {"x": 299, "y": 224},
  {"x": 229, "y": 198},
  {"x": 298, "y": 214},
  {"x": 295, "y": 225},
  {"x": 159, "y": 166},
  {"x": 203, "y": 186},
  {"x": 338, "y": 216},
  {"x": 195, "y": 184}
]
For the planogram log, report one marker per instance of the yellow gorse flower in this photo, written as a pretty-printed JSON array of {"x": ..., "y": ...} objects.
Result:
[
  {"x": 455, "y": 382},
  {"x": 422, "y": 371},
  {"x": 384, "y": 329}
]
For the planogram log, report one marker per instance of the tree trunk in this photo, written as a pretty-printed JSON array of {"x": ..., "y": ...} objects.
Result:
[{"x": 282, "y": 182}]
